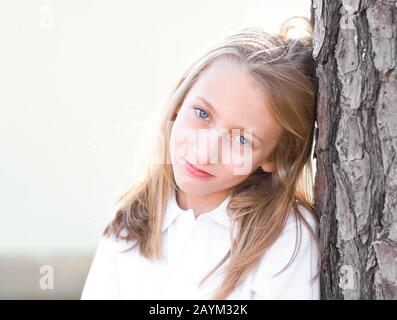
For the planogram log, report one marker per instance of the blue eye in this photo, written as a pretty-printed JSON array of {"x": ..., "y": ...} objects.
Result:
[
  {"x": 201, "y": 113},
  {"x": 243, "y": 140}
]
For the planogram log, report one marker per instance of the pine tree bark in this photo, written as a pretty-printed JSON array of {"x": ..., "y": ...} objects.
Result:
[{"x": 356, "y": 147}]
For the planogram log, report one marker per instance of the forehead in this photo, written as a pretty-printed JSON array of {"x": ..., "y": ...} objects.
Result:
[{"x": 237, "y": 97}]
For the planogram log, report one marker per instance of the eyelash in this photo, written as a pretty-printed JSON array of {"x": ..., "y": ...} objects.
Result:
[{"x": 199, "y": 109}]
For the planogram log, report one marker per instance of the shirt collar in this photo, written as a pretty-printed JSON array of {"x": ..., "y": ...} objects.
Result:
[{"x": 219, "y": 214}]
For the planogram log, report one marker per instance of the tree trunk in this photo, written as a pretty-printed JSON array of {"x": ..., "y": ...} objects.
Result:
[{"x": 356, "y": 145}]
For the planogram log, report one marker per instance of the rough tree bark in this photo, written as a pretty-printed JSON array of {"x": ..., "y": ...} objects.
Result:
[{"x": 356, "y": 180}]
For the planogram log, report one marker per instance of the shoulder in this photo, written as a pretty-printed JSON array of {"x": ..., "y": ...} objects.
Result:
[
  {"x": 295, "y": 241},
  {"x": 112, "y": 246},
  {"x": 306, "y": 214}
]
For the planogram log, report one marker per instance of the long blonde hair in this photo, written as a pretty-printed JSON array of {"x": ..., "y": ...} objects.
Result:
[{"x": 262, "y": 202}]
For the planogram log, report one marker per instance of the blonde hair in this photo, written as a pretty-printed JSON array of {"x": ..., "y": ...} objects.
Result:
[{"x": 260, "y": 205}]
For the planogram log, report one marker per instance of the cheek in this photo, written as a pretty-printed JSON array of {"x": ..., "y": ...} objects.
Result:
[
  {"x": 233, "y": 174},
  {"x": 230, "y": 176},
  {"x": 243, "y": 162},
  {"x": 182, "y": 137}
]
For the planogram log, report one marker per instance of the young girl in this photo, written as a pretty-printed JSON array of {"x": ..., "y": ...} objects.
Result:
[{"x": 196, "y": 227}]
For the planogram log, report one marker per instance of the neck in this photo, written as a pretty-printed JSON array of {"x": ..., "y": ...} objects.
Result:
[{"x": 200, "y": 203}]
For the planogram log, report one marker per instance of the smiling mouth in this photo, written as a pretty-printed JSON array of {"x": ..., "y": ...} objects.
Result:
[{"x": 196, "y": 171}]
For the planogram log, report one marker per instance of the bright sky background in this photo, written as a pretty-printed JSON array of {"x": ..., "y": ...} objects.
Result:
[{"x": 77, "y": 80}]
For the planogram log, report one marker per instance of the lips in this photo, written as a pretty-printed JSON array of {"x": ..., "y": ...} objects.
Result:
[{"x": 196, "y": 171}]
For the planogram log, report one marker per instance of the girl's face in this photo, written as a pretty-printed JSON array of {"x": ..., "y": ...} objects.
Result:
[{"x": 225, "y": 128}]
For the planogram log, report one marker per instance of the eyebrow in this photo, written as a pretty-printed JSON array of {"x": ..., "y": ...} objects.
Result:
[{"x": 216, "y": 112}]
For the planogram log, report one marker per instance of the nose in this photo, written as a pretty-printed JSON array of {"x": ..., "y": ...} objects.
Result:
[{"x": 210, "y": 145}]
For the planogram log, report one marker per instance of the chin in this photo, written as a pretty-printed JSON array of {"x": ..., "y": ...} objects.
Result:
[{"x": 191, "y": 187}]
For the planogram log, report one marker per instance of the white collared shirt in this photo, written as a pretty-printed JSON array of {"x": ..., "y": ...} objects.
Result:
[{"x": 192, "y": 247}]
